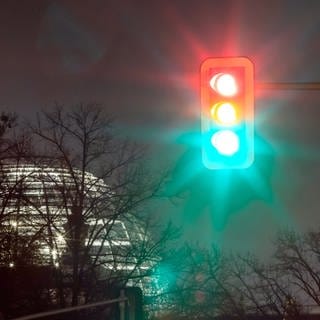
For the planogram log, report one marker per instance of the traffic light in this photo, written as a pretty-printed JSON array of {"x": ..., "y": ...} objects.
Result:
[{"x": 227, "y": 112}]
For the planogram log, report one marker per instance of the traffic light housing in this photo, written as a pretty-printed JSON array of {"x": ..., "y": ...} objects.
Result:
[{"x": 227, "y": 112}]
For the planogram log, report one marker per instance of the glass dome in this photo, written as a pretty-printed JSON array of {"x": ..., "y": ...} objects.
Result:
[{"x": 44, "y": 204}]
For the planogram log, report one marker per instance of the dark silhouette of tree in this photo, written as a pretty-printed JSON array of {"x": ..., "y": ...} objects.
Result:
[
  {"x": 22, "y": 280},
  {"x": 103, "y": 184},
  {"x": 194, "y": 283},
  {"x": 297, "y": 255},
  {"x": 14, "y": 146},
  {"x": 78, "y": 201},
  {"x": 210, "y": 284}
]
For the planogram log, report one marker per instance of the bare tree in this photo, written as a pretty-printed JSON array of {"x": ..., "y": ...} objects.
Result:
[
  {"x": 20, "y": 274},
  {"x": 210, "y": 284},
  {"x": 264, "y": 288},
  {"x": 268, "y": 289},
  {"x": 297, "y": 255},
  {"x": 100, "y": 186},
  {"x": 194, "y": 282},
  {"x": 14, "y": 148}
]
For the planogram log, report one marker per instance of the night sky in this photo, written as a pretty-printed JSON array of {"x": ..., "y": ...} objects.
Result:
[{"x": 140, "y": 59}]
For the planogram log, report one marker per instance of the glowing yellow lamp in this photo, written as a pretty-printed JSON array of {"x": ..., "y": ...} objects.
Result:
[{"x": 225, "y": 113}]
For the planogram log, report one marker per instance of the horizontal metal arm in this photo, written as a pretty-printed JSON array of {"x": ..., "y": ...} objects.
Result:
[{"x": 288, "y": 85}]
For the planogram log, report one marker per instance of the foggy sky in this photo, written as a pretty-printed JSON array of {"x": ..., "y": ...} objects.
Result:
[{"x": 141, "y": 59}]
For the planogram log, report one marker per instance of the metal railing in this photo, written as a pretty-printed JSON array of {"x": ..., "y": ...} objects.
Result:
[{"x": 121, "y": 300}]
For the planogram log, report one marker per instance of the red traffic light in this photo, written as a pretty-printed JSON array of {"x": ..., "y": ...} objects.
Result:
[{"x": 225, "y": 84}]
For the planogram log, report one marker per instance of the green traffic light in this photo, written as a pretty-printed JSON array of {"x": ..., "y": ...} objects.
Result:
[{"x": 226, "y": 142}]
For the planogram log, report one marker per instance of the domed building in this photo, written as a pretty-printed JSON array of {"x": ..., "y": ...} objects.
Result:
[{"x": 50, "y": 208}]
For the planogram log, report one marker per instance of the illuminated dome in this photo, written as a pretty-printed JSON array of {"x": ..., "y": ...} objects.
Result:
[{"x": 39, "y": 202}]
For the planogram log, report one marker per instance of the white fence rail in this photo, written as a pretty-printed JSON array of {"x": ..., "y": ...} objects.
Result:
[{"x": 121, "y": 300}]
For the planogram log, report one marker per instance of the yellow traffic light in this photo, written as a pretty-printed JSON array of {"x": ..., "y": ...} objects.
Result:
[{"x": 225, "y": 113}]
